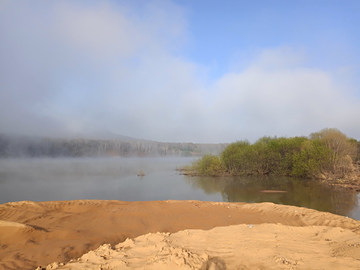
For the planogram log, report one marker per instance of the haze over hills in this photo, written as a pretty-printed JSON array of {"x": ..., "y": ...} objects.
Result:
[
  {"x": 98, "y": 144},
  {"x": 100, "y": 135}
]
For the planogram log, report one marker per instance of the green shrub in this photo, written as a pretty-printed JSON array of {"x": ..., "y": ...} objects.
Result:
[
  {"x": 209, "y": 165},
  {"x": 327, "y": 152},
  {"x": 287, "y": 148},
  {"x": 314, "y": 158},
  {"x": 266, "y": 156},
  {"x": 233, "y": 157},
  {"x": 262, "y": 160},
  {"x": 356, "y": 145}
]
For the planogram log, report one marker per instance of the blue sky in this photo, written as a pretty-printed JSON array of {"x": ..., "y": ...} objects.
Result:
[
  {"x": 200, "y": 71},
  {"x": 228, "y": 32}
]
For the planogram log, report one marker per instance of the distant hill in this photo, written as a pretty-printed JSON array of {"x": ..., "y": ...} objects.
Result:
[
  {"x": 108, "y": 135},
  {"x": 96, "y": 135},
  {"x": 112, "y": 145}
]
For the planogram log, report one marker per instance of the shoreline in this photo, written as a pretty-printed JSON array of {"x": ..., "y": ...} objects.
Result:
[
  {"x": 36, "y": 234},
  {"x": 347, "y": 183}
]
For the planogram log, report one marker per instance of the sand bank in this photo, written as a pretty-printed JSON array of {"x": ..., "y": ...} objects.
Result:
[{"x": 265, "y": 236}]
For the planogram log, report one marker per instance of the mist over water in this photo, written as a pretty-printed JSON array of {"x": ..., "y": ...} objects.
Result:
[
  {"x": 47, "y": 179},
  {"x": 94, "y": 178}
]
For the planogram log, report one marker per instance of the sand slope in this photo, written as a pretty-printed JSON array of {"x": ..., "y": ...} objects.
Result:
[
  {"x": 297, "y": 238},
  {"x": 264, "y": 246}
]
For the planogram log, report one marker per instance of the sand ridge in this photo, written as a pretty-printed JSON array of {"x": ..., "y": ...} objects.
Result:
[
  {"x": 59, "y": 231},
  {"x": 263, "y": 246}
]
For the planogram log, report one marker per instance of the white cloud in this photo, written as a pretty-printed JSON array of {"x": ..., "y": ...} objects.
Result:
[
  {"x": 76, "y": 66},
  {"x": 280, "y": 58},
  {"x": 99, "y": 31},
  {"x": 273, "y": 100}
]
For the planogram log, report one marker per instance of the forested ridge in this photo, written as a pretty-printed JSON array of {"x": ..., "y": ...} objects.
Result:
[{"x": 27, "y": 146}]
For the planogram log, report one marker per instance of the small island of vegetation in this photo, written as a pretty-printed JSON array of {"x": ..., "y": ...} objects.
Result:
[{"x": 328, "y": 154}]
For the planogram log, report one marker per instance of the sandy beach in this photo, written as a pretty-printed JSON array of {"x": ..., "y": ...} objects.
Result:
[{"x": 174, "y": 235}]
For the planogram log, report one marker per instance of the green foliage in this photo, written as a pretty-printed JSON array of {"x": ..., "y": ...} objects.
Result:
[
  {"x": 233, "y": 157},
  {"x": 287, "y": 148},
  {"x": 263, "y": 159},
  {"x": 356, "y": 145},
  {"x": 208, "y": 165},
  {"x": 313, "y": 159},
  {"x": 266, "y": 156},
  {"x": 325, "y": 153}
]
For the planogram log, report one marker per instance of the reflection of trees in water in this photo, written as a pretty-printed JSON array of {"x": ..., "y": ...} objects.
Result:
[
  {"x": 210, "y": 185},
  {"x": 300, "y": 192}
]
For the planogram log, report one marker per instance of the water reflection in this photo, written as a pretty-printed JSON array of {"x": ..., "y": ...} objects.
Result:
[
  {"x": 116, "y": 179},
  {"x": 300, "y": 192}
]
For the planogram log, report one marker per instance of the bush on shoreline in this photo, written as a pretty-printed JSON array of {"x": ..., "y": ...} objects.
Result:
[
  {"x": 324, "y": 154},
  {"x": 208, "y": 165}
]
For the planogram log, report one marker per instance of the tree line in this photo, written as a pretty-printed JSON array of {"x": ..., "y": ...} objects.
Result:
[
  {"x": 26, "y": 146},
  {"x": 327, "y": 154}
]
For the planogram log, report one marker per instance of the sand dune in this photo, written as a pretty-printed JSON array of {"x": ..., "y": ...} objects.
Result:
[
  {"x": 263, "y": 246},
  {"x": 193, "y": 234}
]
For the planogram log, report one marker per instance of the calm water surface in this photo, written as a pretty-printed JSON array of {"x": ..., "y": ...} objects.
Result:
[{"x": 115, "y": 179}]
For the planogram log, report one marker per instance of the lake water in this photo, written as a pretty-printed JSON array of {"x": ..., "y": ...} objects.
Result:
[{"x": 115, "y": 179}]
